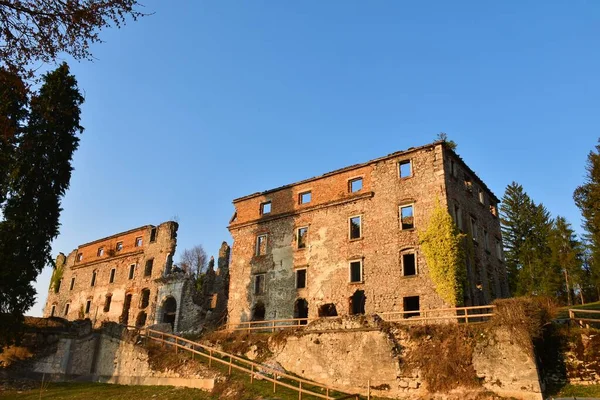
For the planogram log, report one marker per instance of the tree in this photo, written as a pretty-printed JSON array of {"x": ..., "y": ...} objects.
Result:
[
  {"x": 39, "y": 165},
  {"x": 194, "y": 260},
  {"x": 567, "y": 253},
  {"x": 526, "y": 230},
  {"x": 33, "y": 30},
  {"x": 443, "y": 136},
  {"x": 587, "y": 199}
]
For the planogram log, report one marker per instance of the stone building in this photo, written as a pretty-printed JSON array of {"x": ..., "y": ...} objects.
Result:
[
  {"x": 346, "y": 242},
  {"x": 129, "y": 278}
]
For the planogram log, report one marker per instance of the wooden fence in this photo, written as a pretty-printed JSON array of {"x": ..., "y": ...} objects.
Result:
[
  {"x": 231, "y": 362},
  {"x": 589, "y": 317},
  {"x": 460, "y": 314}
]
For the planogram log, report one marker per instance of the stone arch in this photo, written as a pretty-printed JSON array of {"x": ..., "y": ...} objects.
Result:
[
  {"x": 258, "y": 311},
  {"x": 169, "y": 311},
  {"x": 328, "y": 310},
  {"x": 301, "y": 310},
  {"x": 357, "y": 302},
  {"x": 140, "y": 321}
]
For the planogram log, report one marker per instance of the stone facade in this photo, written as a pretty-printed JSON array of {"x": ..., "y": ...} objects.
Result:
[
  {"x": 128, "y": 278},
  {"x": 347, "y": 242}
]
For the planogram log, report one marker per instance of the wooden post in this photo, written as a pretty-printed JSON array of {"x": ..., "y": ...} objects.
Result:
[
  {"x": 162, "y": 337},
  {"x": 466, "y": 316},
  {"x": 369, "y": 389},
  {"x": 327, "y": 392},
  {"x": 176, "y": 346},
  {"x": 251, "y": 373},
  {"x": 273, "y": 328},
  {"x": 210, "y": 357},
  {"x": 230, "y": 365},
  {"x": 274, "y": 383},
  {"x": 300, "y": 392}
]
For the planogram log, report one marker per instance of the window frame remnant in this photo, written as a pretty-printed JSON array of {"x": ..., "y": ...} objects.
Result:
[
  {"x": 259, "y": 284},
  {"x": 301, "y": 275},
  {"x": 79, "y": 257},
  {"x": 355, "y": 181},
  {"x": 139, "y": 241},
  {"x": 403, "y": 172},
  {"x": 301, "y": 235},
  {"x": 305, "y": 197},
  {"x": 355, "y": 229},
  {"x": 408, "y": 225},
  {"x": 266, "y": 207},
  {"x": 119, "y": 246},
  {"x": 148, "y": 267},
  {"x": 409, "y": 270},
  {"x": 100, "y": 252},
  {"x": 261, "y": 245},
  {"x": 353, "y": 273}
]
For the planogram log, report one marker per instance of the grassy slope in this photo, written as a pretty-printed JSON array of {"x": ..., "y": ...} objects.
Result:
[
  {"x": 592, "y": 391},
  {"x": 564, "y": 311}
]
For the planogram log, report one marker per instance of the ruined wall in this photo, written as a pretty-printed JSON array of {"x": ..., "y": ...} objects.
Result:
[
  {"x": 81, "y": 269},
  {"x": 329, "y": 249},
  {"x": 350, "y": 353},
  {"x": 469, "y": 197}
]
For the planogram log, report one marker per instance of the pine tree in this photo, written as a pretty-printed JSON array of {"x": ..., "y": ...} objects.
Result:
[
  {"x": 587, "y": 198},
  {"x": 567, "y": 257},
  {"x": 40, "y": 172}
]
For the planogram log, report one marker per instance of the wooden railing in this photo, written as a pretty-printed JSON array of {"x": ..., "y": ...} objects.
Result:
[
  {"x": 253, "y": 369},
  {"x": 460, "y": 314},
  {"x": 590, "y": 316}
]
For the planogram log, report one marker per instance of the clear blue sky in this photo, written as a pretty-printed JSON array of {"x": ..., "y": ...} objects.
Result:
[{"x": 206, "y": 101}]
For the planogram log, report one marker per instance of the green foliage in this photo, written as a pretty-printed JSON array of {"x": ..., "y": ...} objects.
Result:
[
  {"x": 441, "y": 243},
  {"x": 57, "y": 274},
  {"x": 587, "y": 198},
  {"x": 450, "y": 143},
  {"x": 526, "y": 229},
  {"x": 567, "y": 253},
  {"x": 38, "y": 172}
]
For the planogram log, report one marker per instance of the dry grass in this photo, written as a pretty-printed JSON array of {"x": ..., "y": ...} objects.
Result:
[
  {"x": 239, "y": 343},
  {"x": 14, "y": 354}
]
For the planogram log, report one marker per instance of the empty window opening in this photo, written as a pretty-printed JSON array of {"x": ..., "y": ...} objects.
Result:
[
  {"x": 302, "y": 233},
  {"x": 72, "y": 284},
  {"x": 145, "y": 298},
  {"x": 79, "y": 256},
  {"x": 405, "y": 168},
  {"x": 261, "y": 245},
  {"x": 411, "y": 303},
  {"x": 305, "y": 197},
  {"x": 474, "y": 232},
  {"x": 357, "y": 302},
  {"x": 88, "y": 305},
  {"x": 124, "y": 318},
  {"x": 265, "y": 208},
  {"x": 453, "y": 169},
  {"x": 131, "y": 271},
  {"x": 356, "y": 271},
  {"x": 458, "y": 215},
  {"x": 498, "y": 249},
  {"x": 66, "y": 309},
  {"x": 100, "y": 251},
  {"x": 93, "y": 279},
  {"x": 355, "y": 185},
  {"x": 300, "y": 278},
  {"x": 107, "y": 302},
  {"x": 153, "y": 235},
  {"x": 119, "y": 246},
  {"x": 169, "y": 311},
  {"x": 149, "y": 265},
  {"x": 112, "y": 275},
  {"x": 481, "y": 196},
  {"x": 259, "y": 284},
  {"x": 494, "y": 209},
  {"x": 486, "y": 240},
  {"x": 138, "y": 241},
  {"x": 409, "y": 265},
  {"x": 328, "y": 310},
  {"x": 301, "y": 310},
  {"x": 355, "y": 227},
  {"x": 140, "y": 321},
  {"x": 57, "y": 286},
  {"x": 258, "y": 312},
  {"x": 53, "y": 310},
  {"x": 407, "y": 219}
]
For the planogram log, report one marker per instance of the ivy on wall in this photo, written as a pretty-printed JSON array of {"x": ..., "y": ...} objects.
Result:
[
  {"x": 441, "y": 243},
  {"x": 57, "y": 274}
]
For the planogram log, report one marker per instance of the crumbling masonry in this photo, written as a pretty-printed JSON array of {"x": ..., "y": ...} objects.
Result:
[
  {"x": 347, "y": 242},
  {"x": 130, "y": 278}
]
